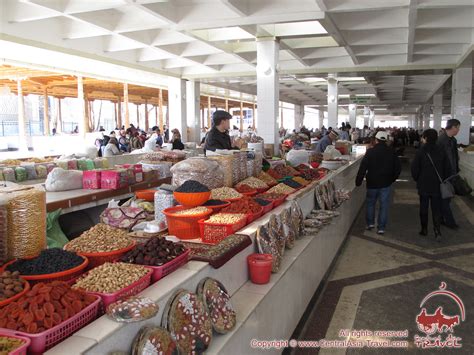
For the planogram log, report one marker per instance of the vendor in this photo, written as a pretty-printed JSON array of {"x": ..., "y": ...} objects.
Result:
[
  {"x": 111, "y": 148},
  {"x": 326, "y": 141},
  {"x": 218, "y": 137}
]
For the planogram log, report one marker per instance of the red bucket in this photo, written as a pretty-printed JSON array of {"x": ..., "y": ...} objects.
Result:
[{"x": 260, "y": 268}]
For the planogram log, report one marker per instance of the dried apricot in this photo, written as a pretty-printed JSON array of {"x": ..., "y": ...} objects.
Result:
[
  {"x": 45, "y": 289},
  {"x": 48, "y": 308},
  {"x": 70, "y": 311},
  {"x": 3, "y": 322},
  {"x": 57, "y": 305},
  {"x": 41, "y": 330},
  {"x": 77, "y": 306},
  {"x": 47, "y": 297},
  {"x": 39, "y": 314},
  {"x": 65, "y": 301},
  {"x": 31, "y": 328},
  {"x": 64, "y": 314},
  {"x": 56, "y": 318},
  {"x": 39, "y": 299},
  {"x": 33, "y": 307},
  {"x": 55, "y": 295},
  {"x": 12, "y": 325},
  {"x": 28, "y": 318},
  {"x": 48, "y": 323}
]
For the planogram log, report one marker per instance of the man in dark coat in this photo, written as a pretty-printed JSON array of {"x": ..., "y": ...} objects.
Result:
[
  {"x": 218, "y": 137},
  {"x": 381, "y": 168},
  {"x": 449, "y": 144}
]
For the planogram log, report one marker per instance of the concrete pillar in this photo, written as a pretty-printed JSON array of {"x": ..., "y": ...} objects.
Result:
[
  {"x": 23, "y": 145},
  {"x": 82, "y": 112},
  {"x": 268, "y": 94},
  {"x": 177, "y": 106},
  {"x": 426, "y": 116},
  {"x": 366, "y": 116},
  {"x": 353, "y": 115},
  {"x": 461, "y": 99},
  {"x": 320, "y": 118},
  {"x": 437, "y": 109},
  {"x": 332, "y": 102},
  {"x": 371, "y": 118},
  {"x": 299, "y": 117},
  {"x": 193, "y": 110}
]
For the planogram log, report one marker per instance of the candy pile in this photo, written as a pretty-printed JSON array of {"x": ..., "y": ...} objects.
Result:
[
  {"x": 155, "y": 252},
  {"x": 43, "y": 307},
  {"x": 10, "y": 284},
  {"x": 245, "y": 205},
  {"x": 100, "y": 238},
  {"x": 300, "y": 180},
  {"x": 224, "y": 193}
]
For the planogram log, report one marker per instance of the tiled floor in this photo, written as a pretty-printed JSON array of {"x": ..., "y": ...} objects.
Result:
[{"x": 378, "y": 283}]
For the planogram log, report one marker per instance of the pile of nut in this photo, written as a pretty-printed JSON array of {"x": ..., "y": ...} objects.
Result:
[
  {"x": 10, "y": 284},
  {"x": 225, "y": 193},
  {"x": 155, "y": 252},
  {"x": 111, "y": 277},
  {"x": 8, "y": 344},
  {"x": 226, "y": 218},
  {"x": 269, "y": 180},
  {"x": 270, "y": 196},
  {"x": 100, "y": 238},
  {"x": 192, "y": 211},
  {"x": 281, "y": 189},
  {"x": 253, "y": 182}
]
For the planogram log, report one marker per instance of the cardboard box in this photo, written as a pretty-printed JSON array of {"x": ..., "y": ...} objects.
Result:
[
  {"x": 114, "y": 179},
  {"x": 91, "y": 179}
]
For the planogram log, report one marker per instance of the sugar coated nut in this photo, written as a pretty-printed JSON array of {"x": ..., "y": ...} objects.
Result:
[{"x": 100, "y": 238}]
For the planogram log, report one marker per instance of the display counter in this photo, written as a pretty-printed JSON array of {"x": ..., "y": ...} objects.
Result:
[
  {"x": 269, "y": 311},
  {"x": 466, "y": 164}
]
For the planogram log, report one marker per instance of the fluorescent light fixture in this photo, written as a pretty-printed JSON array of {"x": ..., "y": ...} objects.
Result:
[
  {"x": 313, "y": 80},
  {"x": 349, "y": 78},
  {"x": 380, "y": 109},
  {"x": 344, "y": 96},
  {"x": 365, "y": 95}
]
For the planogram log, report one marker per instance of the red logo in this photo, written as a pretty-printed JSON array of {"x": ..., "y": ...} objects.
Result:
[{"x": 439, "y": 322}]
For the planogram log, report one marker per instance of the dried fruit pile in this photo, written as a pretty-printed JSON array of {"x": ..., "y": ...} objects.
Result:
[
  {"x": 10, "y": 284},
  {"x": 192, "y": 186},
  {"x": 300, "y": 180},
  {"x": 100, "y": 238},
  {"x": 293, "y": 184},
  {"x": 48, "y": 262},
  {"x": 271, "y": 196},
  {"x": 244, "y": 188},
  {"x": 274, "y": 174},
  {"x": 245, "y": 205},
  {"x": 155, "y": 252},
  {"x": 285, "y": 170},
  {"x": 43, "y": 307}
]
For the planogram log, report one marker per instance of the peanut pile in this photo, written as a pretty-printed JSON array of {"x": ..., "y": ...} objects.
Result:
[
  {"x": 10, "y": 284},
  {"x": 100, "y": 238},
  {"x": 110, "y": 277},
  {"x": 226, "y": 218},
  {"x": 224, "y": 193}
]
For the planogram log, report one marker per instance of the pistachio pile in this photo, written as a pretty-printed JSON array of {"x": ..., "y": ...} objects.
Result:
[
  {"x": 10, "y": 284},
  {"x": 100, "y": 238},
  {"x": 111, "y": 277}
]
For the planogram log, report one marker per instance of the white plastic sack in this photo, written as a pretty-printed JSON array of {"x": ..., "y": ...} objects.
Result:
[
  {"x": 297, "y": 157},
  {"x": 331, "y": 153},
  {"x": 63, "y": 180}
]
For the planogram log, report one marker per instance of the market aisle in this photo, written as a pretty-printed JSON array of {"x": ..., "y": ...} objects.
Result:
[{"x": 378, "y": 282}]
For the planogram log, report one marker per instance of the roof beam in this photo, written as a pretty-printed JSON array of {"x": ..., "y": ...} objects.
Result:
[
  {"x": 239, "y": 7},
  {"x": 331, "y": 28},
  {"x": 412, "y": 16}
]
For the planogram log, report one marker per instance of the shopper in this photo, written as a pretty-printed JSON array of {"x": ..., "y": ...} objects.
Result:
[
  {"x": 218, "y": 137},
  {"x": 429, "y": 166},
  {"x": 135, "y": 142},
  {"x": 166, "y": 134},
  {"x": 449, "y": 144},
  {"x": 153, "y": 141},
  {"x": 111, "y": 148},
  {"x": 381, "y": 168},
  {"x": 176, "y": 140},
  {"x": 326, "y": 141},
  {"x": 124, "y": 143}
]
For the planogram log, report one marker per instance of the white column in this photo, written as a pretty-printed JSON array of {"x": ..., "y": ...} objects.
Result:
[
  {"x": 437, "y": 109},
  {"x": 83, "y": 119},
  {"x": 320, "y": 118},
  {"x": 371, "y": 118},
  {"x": 23, "y": 145},
  {"x": 412, "y": 121},
  {"x": 461, "y": 99},
  {"x": 353, "y": 115},
  {"x": 366, "y": 116},
  {"x": 426, "y": 116},
  {"x": 193, "y": 110},
  {"x": 177, "y": 106},
  {"x": 299, "y": 117},
  {"x": 332, "y": 102},
  {"x": 268, "y": 94}
]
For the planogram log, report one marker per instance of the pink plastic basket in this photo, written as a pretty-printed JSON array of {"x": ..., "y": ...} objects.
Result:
[
  {"x": 46, "y": 340},
  {"x": 161, "y": 271},
  {"x": 137, "y": 287},
  {"x": 20, "y": 350}
]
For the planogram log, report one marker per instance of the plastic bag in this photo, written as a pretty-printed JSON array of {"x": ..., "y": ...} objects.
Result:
[
  {"x": 64, "y": 180},
  {"x": 54, "y": 234},
  {"x": 20, "y": 174},
  {"x": 297, "y": 157},
  {"x": 206, "y": 171},
  {"x": 30, "y": 171},
  {"x": 82, "y": 164},
  {"x": 62, "y": 164},
  {"x": 277, "y": 233},
  {"x": 41, "y": 171},
  {"x": 72, "y": 164},
  {"x": 288, "y": 228},
  {"x": 297, "y": 218},
  {"x": 9, "y": 174},
  {"x": 3, "y": 231},
  {"x": 267, "y": 245}
]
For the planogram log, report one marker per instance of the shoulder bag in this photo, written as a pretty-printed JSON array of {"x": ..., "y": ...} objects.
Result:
[{"x": 445, "y": 187}]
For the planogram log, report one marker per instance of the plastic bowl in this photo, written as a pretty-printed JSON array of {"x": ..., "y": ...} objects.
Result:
[
  {"x": 181, "y": 226},
  {"x": 192, "y": 199},
  {"x": 147, "y": 195},
  {"x": 26, "y": 288}
]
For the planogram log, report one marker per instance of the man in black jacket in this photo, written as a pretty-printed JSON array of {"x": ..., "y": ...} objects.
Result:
[
  {"x": 218, "y": 137},
  {"x": 381, "y": 167},
  {"x": 449, "y": 144}
]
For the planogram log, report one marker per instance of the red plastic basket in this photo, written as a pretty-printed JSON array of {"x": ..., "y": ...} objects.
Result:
[
  {"x": 46, "y": 340},
  {"x": 99, "y": 258},
  {"x": 214, "y": 233},
  {"x": 183, "y": 227},
  {"x": 278, "y": 202},
  {"x": 161, "y": 271},
  {"x": 217, "y": 208},
  {"x": 17, "y": 296},
  {"x": 21, "y": 350},
  {"x": 131, "y": 290},
  {"x": 250, "y": 193},
  {"x": 66, "y": 275}
]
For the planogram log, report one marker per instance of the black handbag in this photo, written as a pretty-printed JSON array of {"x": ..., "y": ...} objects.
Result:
[{"x": 461, "y": 187}]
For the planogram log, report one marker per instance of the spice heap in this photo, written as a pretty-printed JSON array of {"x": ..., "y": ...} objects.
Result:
[
  {"x": 192, "y": 211},
  {"x": 155, "y": 252},
  {"x": 215, "y": 203},
  {"x": 285, "y": 170},
  {"x": 281, "y": 189},
  {"x": 245, "y": 205},
  {"x": 271, "y": 196},
  {"x": 245, "y": 188},
  {"x": 111, "y": 277},
  {"x": 43, "y": 307},
  {"x": 100, "y": 238},
  {"x": 224, "y": 193},
  {"x": 267, "y": 179},
  {"x": 262, "y": 202},
  {"x": 10, "y": 284},
  {"x": 292, "y": 183},
  {"x": 192, "y": 186},
  {"x": 300, "y": 180},
  {"x": 254, "y": 183},
  {"x": 226, "y": 218},
  {"x": 8, "y": 345},
  {"x": 48, "y": 262}
]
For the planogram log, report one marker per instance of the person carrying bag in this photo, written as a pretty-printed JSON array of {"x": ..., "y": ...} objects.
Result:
[{"x": 445, "y": 186}]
